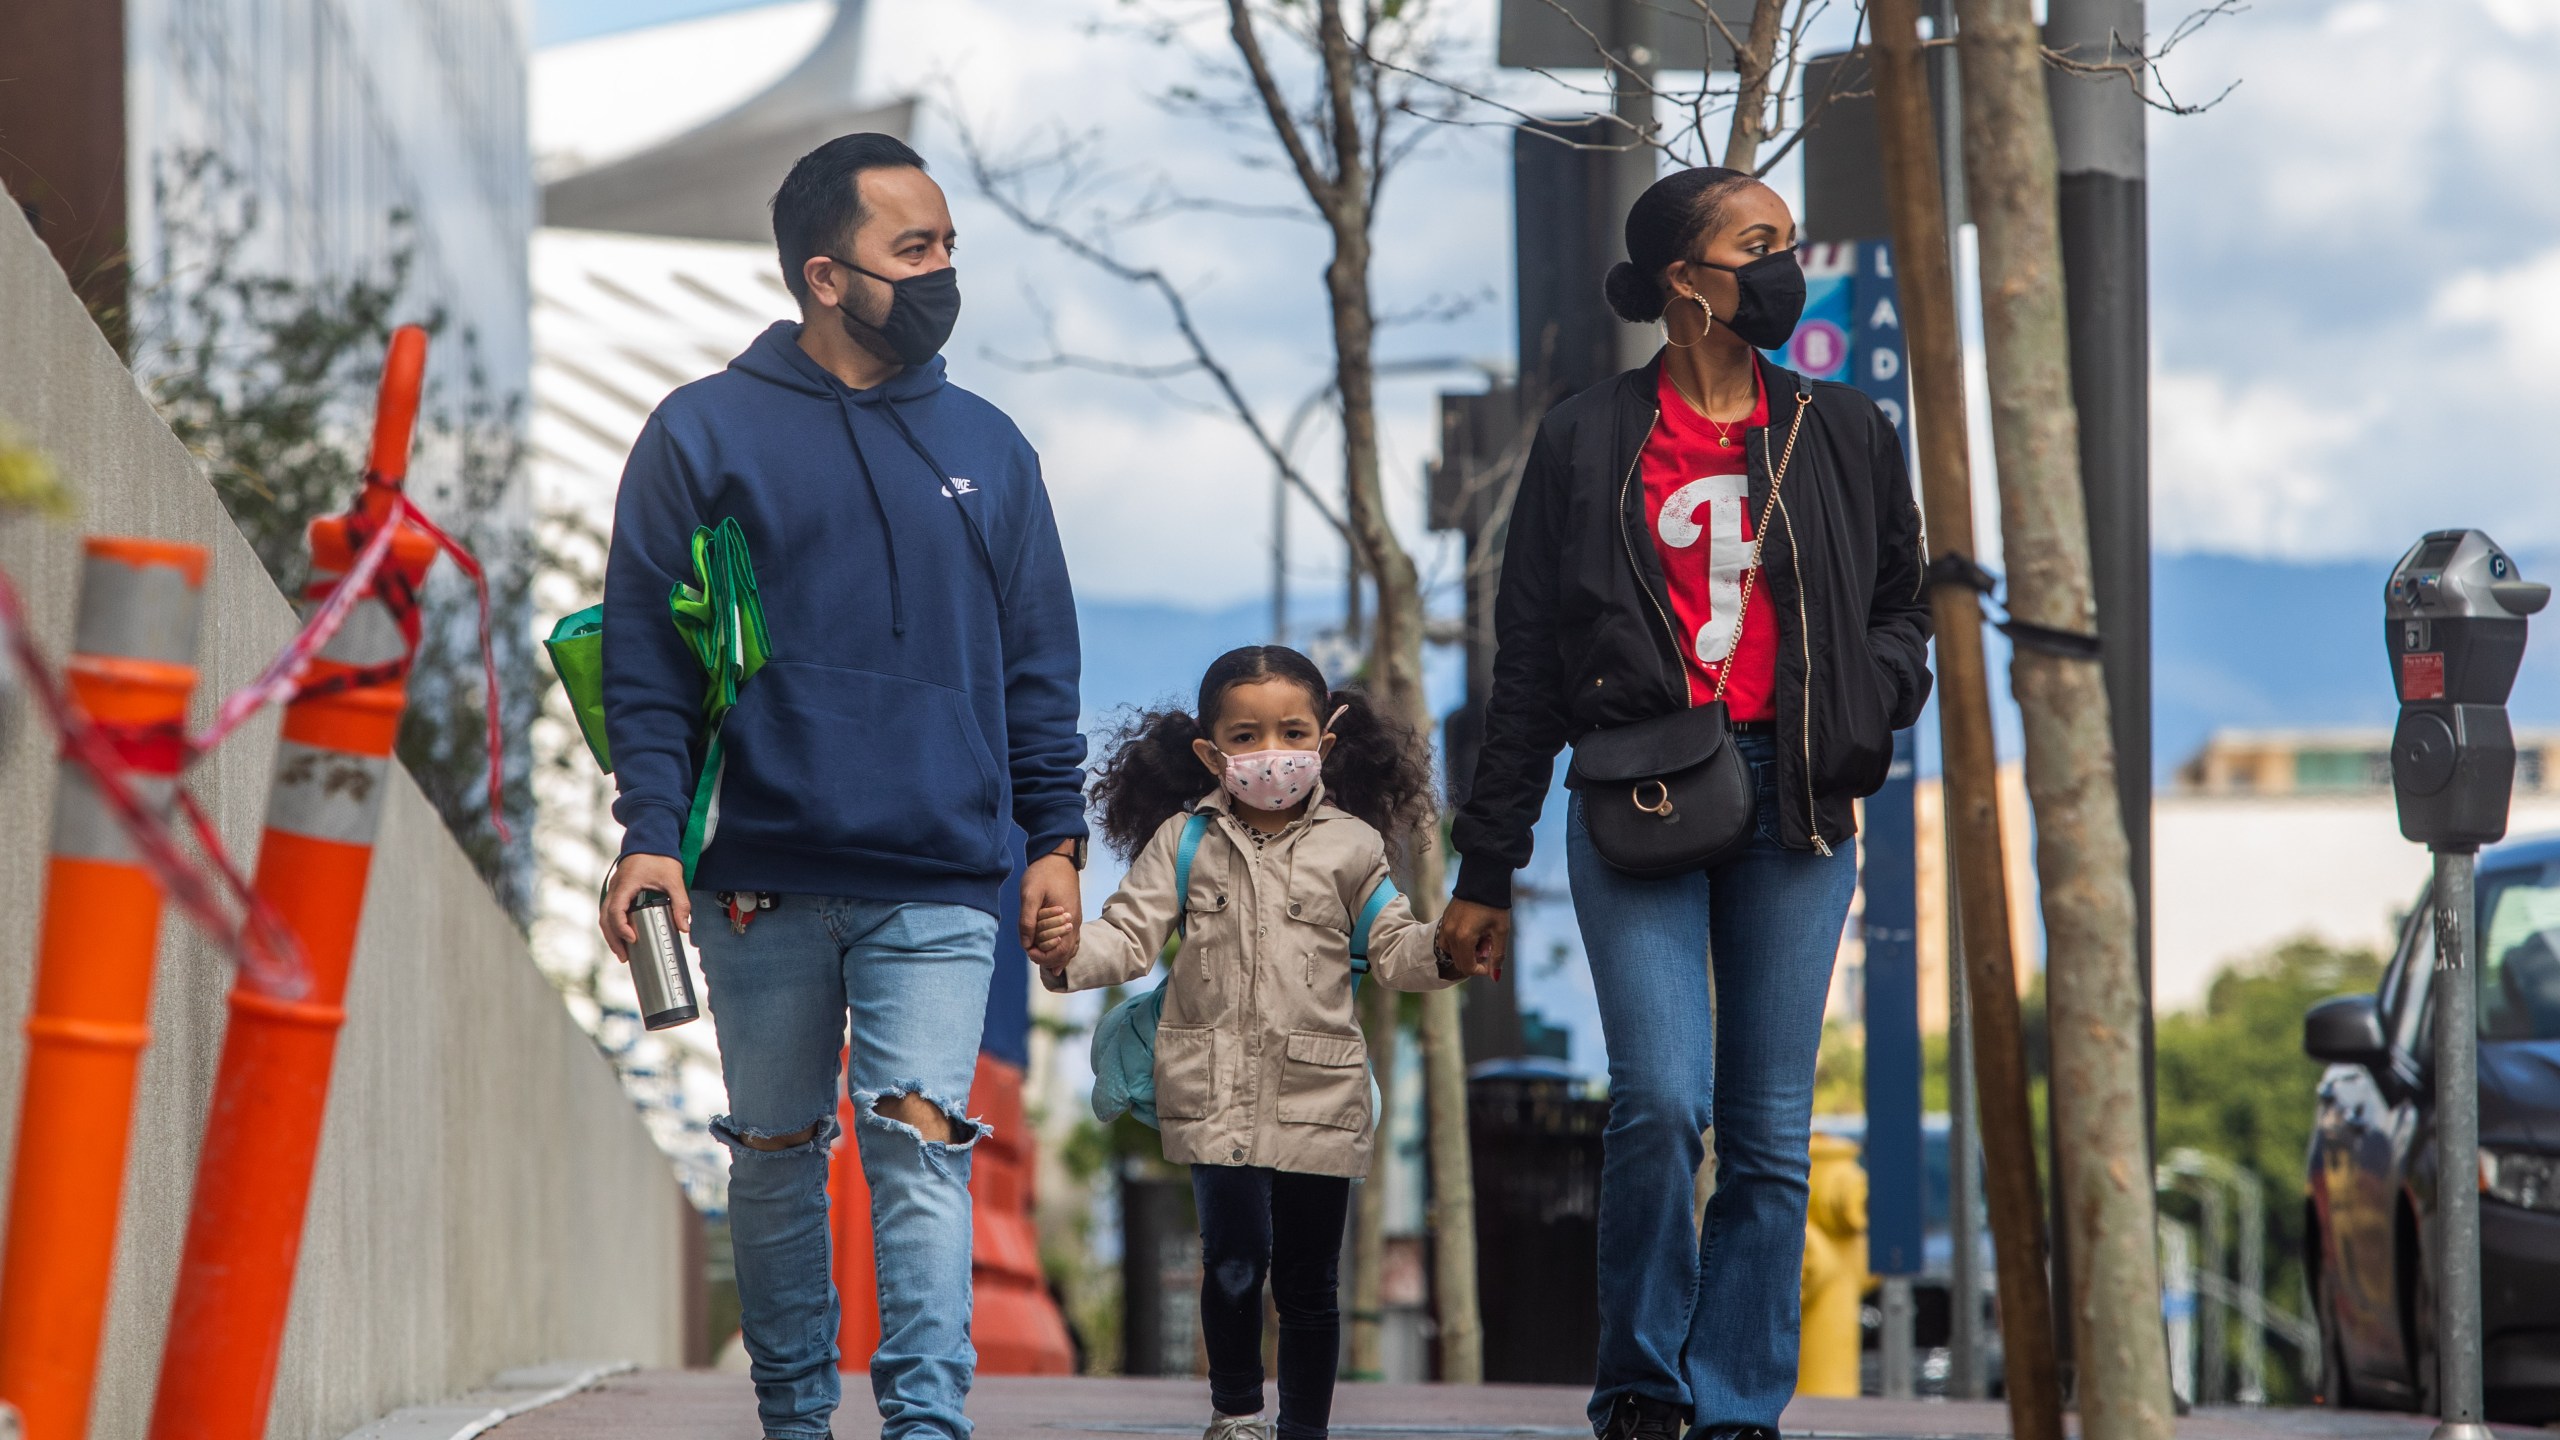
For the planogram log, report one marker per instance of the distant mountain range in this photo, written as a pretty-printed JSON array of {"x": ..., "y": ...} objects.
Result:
[
  {"x": 2266, "y": 644},
  {"x": 2236, "y": 643}
]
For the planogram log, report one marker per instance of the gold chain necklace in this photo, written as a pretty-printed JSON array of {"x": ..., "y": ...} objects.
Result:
[{"x": 1724, "y": 432}]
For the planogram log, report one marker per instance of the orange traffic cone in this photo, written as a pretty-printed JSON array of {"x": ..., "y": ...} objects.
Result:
[
  {"x": 253, "y": 1181},
  {"x": 131, "y": 671}
]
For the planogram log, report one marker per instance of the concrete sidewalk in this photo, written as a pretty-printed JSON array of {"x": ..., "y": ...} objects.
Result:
[{"x": 666, "y": 1405}]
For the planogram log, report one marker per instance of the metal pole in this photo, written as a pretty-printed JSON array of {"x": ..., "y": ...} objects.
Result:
[
  {"x": 2213, "y": 1322},
  {"x": 2250, "y": 1200},
  {"x": 1279, "y": 557},
  {"x": 1631, "y": 41},
  {"x": 2457, "y": 1080},
  {"x": 2105, "y": 213},
  {"x": 1964, "y": 1152},
  {"x": 1964, "y": 1136},
  {"x": 1946, "y": 92},
  {"x": 1896, "y": 1372},
  {"x": 1896, "y": 1185}
]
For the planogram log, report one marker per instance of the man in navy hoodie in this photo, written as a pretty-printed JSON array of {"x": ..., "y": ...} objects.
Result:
[{"x": 919, "y": 704}]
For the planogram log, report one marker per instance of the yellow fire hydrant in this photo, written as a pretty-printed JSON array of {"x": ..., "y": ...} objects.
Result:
[{"x": 1835, "y": 1269}]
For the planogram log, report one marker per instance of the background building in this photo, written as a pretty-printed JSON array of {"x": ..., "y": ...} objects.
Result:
[{"x": 328, "y": 116}]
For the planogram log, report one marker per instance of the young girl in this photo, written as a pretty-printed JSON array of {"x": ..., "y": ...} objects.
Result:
[{"x": 1262, "y": 1082}]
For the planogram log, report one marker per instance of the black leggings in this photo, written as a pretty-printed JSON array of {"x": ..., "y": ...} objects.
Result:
[{"x": 1255, "y": 1222}]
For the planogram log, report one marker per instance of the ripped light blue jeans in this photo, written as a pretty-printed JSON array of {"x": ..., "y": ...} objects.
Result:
[{"x": 914, "y": 978}]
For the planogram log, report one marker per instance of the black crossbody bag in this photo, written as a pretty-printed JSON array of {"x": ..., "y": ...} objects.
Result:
[{"x": 1672, "y": 795}]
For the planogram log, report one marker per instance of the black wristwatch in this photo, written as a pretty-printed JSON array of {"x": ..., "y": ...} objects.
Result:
[{"x": 1075, "y": 850}]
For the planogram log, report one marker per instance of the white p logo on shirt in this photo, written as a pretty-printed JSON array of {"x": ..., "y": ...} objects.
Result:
[{"x": 1728, "y": 554}]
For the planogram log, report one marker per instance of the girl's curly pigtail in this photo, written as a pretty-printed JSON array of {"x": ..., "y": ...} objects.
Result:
[
  {"x": 1379, "y": 769},
  {"x": 1149, "y": 776}
]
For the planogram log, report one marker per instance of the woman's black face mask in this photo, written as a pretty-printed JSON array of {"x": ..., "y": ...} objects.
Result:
[
  {"x": 922, "y": 310},
  {"x": 1771, "y": 291}
]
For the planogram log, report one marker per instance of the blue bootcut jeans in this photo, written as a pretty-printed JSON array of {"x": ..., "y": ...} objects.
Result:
[
  {"x": 915, "y": 980},
  {"x": 1706, "y": 1320}
]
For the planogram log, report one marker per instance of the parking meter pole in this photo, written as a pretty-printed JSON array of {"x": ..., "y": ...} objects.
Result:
[
  {"x": 2454, "y": 627},
  {"x": 2457, "y": 1116}
]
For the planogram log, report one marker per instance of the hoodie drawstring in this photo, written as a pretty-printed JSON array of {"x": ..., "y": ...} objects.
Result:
[
  {"x": 888, "y": 533},
  {"x": 986, "y": 556}
]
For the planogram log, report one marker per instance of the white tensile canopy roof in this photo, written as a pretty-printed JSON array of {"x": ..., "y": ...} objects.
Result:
[{"x": 713, "y": 182}]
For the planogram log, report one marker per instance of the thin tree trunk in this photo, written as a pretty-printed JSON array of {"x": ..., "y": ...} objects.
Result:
[
  {"x": 1453, "y": 1184},
  {"x": 2102, "y": 1160},
  {"x": 1369, "y": 1249},
  {"x": 1908, "y": 141},
  {"x": 1757, "y": 62}
]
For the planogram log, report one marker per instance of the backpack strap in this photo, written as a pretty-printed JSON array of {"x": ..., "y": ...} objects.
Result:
[
  {"x": 1192, "y": 831},
  {"x": 1369, "y": 912}
]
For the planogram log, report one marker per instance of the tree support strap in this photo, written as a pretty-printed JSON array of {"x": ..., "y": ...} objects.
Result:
[{"x": 1962, "y": 570}]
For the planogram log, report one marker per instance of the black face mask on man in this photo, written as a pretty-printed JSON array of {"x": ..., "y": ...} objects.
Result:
[
  {"x": 1771, "y": 291},
  {"x": 922, "y": 310}
]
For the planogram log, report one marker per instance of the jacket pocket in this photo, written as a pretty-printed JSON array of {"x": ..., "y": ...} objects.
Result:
[
  {"x": 1859, "y": 752},
  {"x": 1323, "y": 1081},
  {"x": 1313, "y": 900},
  {"x": 823, "y": 758},
  {"x": 1186, "y": 1072},
  {"x": 1205, "y": 936}
]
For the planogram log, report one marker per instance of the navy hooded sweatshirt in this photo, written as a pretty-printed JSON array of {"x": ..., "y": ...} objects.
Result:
[{"x": 921, "y": 699}]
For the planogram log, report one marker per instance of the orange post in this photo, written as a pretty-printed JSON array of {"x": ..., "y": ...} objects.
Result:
[
  {"x": 132, "y": 669},
  {"x": 1015, "y": 1325},
  {"x": 253, "y": 1180}
]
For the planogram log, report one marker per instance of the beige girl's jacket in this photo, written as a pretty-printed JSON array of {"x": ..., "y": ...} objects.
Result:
[{"x": 1259, "y": 1059}]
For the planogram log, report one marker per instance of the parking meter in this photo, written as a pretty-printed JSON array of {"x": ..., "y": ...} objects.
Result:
[
  {"x": 2457, "y": 613},
  {"x": 2456, "y": 630}
]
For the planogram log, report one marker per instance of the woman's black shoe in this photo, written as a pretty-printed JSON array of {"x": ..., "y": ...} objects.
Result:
[{"x": 1641, "y": 1417}]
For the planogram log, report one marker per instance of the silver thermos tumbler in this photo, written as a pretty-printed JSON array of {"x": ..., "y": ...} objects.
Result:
[{"x": 657, "y": 963}]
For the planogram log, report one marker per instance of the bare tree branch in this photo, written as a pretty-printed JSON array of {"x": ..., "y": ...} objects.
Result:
[
  {"x": 1754, "y": 60},
  {"x": 2141, "y": 65},
  {"x": 1438, "y": 309},
  {"x": 996, "y": 184},
  {"x": 1283, "y": 124}
]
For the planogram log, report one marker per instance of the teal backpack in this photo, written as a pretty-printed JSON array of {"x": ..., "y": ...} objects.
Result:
[{"x": 1124, "y": 1043}]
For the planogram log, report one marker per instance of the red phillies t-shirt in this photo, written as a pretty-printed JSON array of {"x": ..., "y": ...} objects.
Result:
[{"x": 1697, "y": 499}]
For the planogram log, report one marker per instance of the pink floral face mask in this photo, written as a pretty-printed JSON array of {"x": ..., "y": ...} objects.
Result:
[
  {"x": 1277, "y": 779},
  {"x": 1273, "y": 779}
]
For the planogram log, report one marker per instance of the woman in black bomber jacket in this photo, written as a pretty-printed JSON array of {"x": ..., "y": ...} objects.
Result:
[{"x": 1650, "y": 568}]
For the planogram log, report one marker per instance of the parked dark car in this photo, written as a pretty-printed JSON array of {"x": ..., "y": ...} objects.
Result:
[{"x": 2372, "y": 1186}]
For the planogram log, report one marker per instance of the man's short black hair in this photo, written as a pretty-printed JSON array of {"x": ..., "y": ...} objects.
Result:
[{"x": 820, "y": 204}]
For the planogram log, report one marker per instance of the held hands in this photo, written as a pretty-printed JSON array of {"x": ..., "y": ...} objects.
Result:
[
  {"x": 631, "y": 875},
  {"x": 1051, "y": 902},
  {"x": 1473, "y": 940},
  {"x": 1054, "y": 934}
]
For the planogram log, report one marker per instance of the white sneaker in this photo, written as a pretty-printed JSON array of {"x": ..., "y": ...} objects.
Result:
[{"x": 1237, "y": 1427}]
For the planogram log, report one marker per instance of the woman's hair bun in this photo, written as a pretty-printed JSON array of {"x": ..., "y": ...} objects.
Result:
[{"x": 1636, "y": 296}]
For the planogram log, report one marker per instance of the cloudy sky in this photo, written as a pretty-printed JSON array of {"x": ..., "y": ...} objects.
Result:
[{"x": 2356, "y": 279}]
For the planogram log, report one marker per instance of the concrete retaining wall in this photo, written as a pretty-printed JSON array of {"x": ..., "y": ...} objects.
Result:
[{"x": 486, "y": 1197}]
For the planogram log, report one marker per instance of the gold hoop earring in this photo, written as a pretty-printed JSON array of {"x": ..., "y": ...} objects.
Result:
[{"x": 1693, "y": 344}]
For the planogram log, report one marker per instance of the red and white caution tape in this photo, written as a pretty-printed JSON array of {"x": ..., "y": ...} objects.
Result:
[
  {"x": 259, "y": 945},
  {"x": 111, "y": 755}
]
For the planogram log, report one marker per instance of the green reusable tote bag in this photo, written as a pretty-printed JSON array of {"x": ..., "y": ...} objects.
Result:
[{"x": 722, "y": 622}]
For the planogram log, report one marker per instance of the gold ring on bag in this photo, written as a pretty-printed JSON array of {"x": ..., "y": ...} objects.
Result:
[{"x": 1661, "y": 807}]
